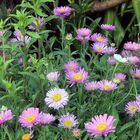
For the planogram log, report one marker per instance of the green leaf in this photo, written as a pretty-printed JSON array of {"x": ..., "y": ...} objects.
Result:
[
  {"x": 33, "y": 34},
  {"x": 126, "y": 126}
]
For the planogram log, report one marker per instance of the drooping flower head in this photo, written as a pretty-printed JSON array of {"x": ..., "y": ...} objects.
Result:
[
  {"x": 108, "y": 27},
  {"x": 110, "y": 50},
  {"x": 105, "y": 85},
  {"x": 98, "y": 48},
  {"x": 131, "y": 46},
  {"x": 68, "y": 121},
  {"x": 29, "y": 117},
  {"x": 131, "y": 108},
  {"x": 100, "y": 125},
  {"x": 53, "y": 76},
  {"x": 111, "y": 61},
  {"x": 37, "y": 24},
  {"x": 97, "y": 37},
  {"x": 91, "y": 86},
  {"x": 71, "y": 66},
  {"x": 63, "y": 11},
  {"x": 77, "y": 77},
  {"x": 136, "y": 73},
  {"x": 83, "y": 34},
  {"x": 20, "y": 39},
  {"x": 56, "y": 98},
  {"x": 46, "y": 118},
  {"x": 5, "y": 116}
]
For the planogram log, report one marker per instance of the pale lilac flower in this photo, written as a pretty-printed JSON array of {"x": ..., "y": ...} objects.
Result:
[
  {"x": 132, "y": 46},
  {"x": 131, "y": 108},
  {"x": 91, "y": 86},
  {"x": 56, "y": 98},
  {"x": 111, "y": 61},
  {"x": 17, "y": 33},
  {"x": 77, "y": 77},
  {"x": 126, "y": 53},
  {"x": 97, "y": 37},
  {"x": 101, "y": 125},
  {"x": 136, "y": 73},
  {"x": 83, "y": 34},
  {"x": 108, "y": 27},
  {"x": 120, "y": 76},
  {"x": 29, "y": 117},
  {"x": 98, "y": 48},
  {"x": 71, "y": 66},
  {"x": 105, "y": 85},
  {"x": 68, "y": 121},
  {"x": 63, "y": 11},
  {"x": 110, "y": 50},
  {"x": 5, "y": 116},
  {"x": 53, "y": 76},
  {"x": 133, "y": 59},
  {"x": 46, "y": 118},
  {"x": 138, "y": 98}
]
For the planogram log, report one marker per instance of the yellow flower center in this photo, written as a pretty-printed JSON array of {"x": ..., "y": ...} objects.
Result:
[
  {"x": 133, "y": 109},
  {"x": 62, "y": 11},
  {"x": 99, "y": 39},
  {"x": 56, "y": 97},
  {"x": 31, "y": 118},
  {"x": 68, "y": 123},
  {"x": 1, "y": 119},
  {"x": 137, "y": 75},
  {"x": 92, "y": 88},
  {"x": 78, "y": 77},
  {"x": 99, "y": 50},
  {"x": 102, "y": 127},
  {"x": 71, "y": 68},
  {"x": 107, "y": 87},
  {"x": 26, "y": 137}
]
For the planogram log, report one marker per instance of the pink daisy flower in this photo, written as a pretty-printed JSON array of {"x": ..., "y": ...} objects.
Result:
[
  {"x": 108, "y": 27},
  {"x": 83, "y": 34},
  {"x": 37, "y": 24},
  {"x": 91, "y": 86},
  {"x": 107, "y": 86},
  {"x": 111, "y": 61},
  {"x": 53, "y": 76},
  {"x": 120, "y": 76},
  {"x": 100, "y": 125},
  {"x": 68, "y": 121},
  {"x": 97, "y": 37},
  {"x": 5, "y": 116},
  {"x": 136, "y": 73},
  {"x": 63, "y": 11},
  {"x": 78, "y": 77},
  {"x": 132, "y": 46},
  {"x": 71, "y": 66},
  {"x": 133, "y": 59},
  {"x": 126, "y": 53},
  {"x": 29, "y": 117},
  {"x": 110, "y": 50},
  {"x": 46, "y": 118},
  {"x": 98, "y": 48},
  {"x": 131, "y": 108}
]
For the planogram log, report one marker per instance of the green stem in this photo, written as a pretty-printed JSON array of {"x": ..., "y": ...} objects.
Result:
[
  {"x": 7, "y": 132},
  {"x": 62, "y": 32},
  {"x": 115, "y": 69},
  {"x": 135, "y": 87}
]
